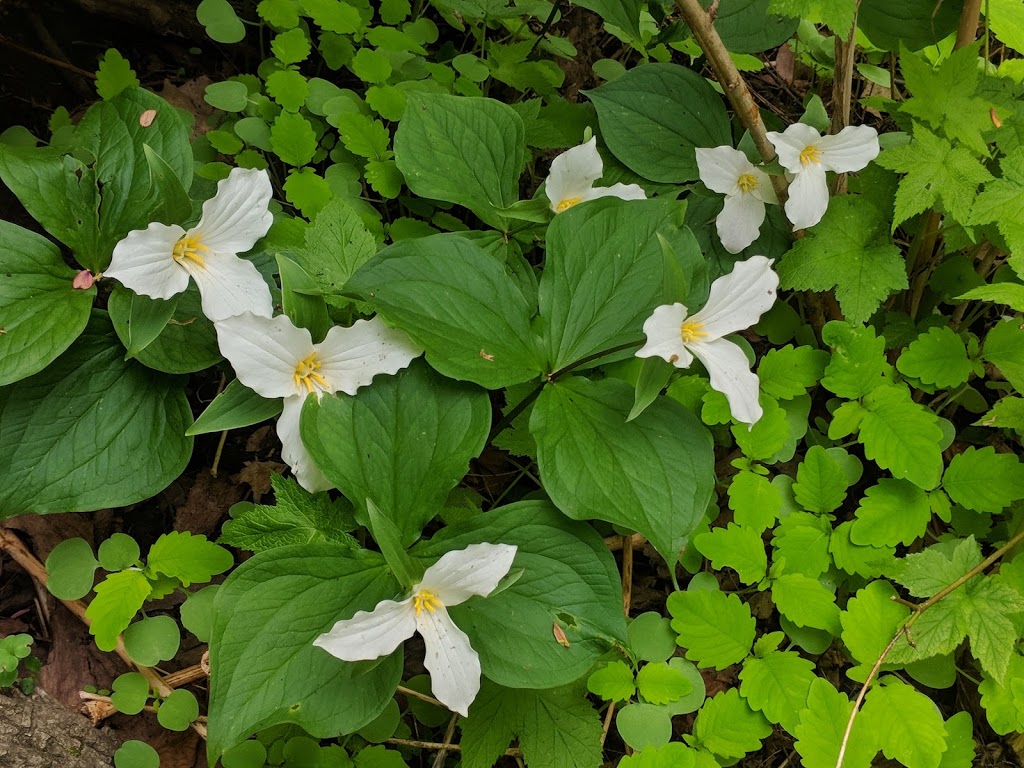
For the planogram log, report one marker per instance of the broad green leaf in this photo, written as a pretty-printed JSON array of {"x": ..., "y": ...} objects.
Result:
[
  {"x": 404, "y": 443},
  {"x": 458, "y": 303},
  {"x": 197, "y": 612},
  {"x": 603, "y": 273},
  {"x": 739, "y": 548},
  {"x": 41, "y": 313},
  {"x": 822, "y": 728},
  {"x": 849, "y": 250},
  {"x": 468, "y": 151},
  {"x": 302, "y": 300},
  {"x": 654, "y": 116},
  {"x": 858, "y": 365},
  {"x": 777, "y": 685},
  {"x": 902, "y": 436},
  {"x": 983, "y": 480},
  {"x": 659, "y": 683},
  {"x": 1007, "y": 413},
  {"x": 70, "y": 569},
  {"x": 820, "y": 481},
  {"x": 568, "y": 576},
  {"x": 717, "y": 630},
  {"x": 337, "y": 243},
  {"x": 188, "y": 557},
  {"x": 138, "y": 320},
  {"x": 727, "y": 726},
  {"x": 866, "y": 561},
  {"x": 230, "y": 96},
  {"x": 788, "y": 372},
  {"x": 913, "y": 23},
  {"x": 118, "y": 598},
  {"x": 1011, "y": 294},
  {"x": 1004, "y": 348},
  {"x": 173, "y": 204},
  {"x": 653, "y": 474},
  {"x": 892, "y": 512},
  {"x": 802, "y": 540},
  {"x": 612, "y": 682},
  {"x": 267, "y": 615},
  {"x": 624, "y": 14},
  {"x": 906, "y": 724},
  {"x": 237, "y": 406},
  {"x": 960, "y": 747},
  {"x": 297, "y": 517},
  {"x": 755, "y": 502},
  {"x": 926, "y": 572},
  {"x": 806, "y": 602},
  {"x": 749, "y": 26},
  {"x": 869, "y": 623},
  {"x": 75, "y": 447},
  {"x": 937, "y": 357}
]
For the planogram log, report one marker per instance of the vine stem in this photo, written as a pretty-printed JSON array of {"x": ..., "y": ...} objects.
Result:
[
  {"x": 732, "y": 82},
  {"x": 905, "y": 629}
]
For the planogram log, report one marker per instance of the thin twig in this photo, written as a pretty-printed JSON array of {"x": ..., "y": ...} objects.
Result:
[
  {"x": 6, "y": 41},
  {"x": 607, "y": 722},
  {"x": 442, "y": 752},
  {"x": 627, "y": 573},
  {"x": 420, "y": 696},
  {"x": 432, "y": 745}
]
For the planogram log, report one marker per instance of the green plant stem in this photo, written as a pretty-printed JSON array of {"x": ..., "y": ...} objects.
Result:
[{"x": 909, "y": 623}]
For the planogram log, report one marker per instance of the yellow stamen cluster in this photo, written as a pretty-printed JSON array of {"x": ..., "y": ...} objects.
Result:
[
  {"x": 188, "y": 249},
  {"x": 691, "y": 331},
  {"x": 747, "y": 182},
  {"x": 568, "y": 203},
  {"x": 307, "y": 375},
  {"x": 810, "y": 154},
  {"x": 425, "y": 601}
]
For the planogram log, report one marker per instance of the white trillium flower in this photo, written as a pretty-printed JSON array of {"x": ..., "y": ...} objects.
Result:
[
  {"x": 746, "y": 189},
  {"x": 274, "y": 358},
  {"x": 159, "y": 260},
  {"x": 572, "y": 176},
  {"x": 453, "y": 664},
  {"x": 736, "y": 301},
  {"x": 807, "y": 155}
]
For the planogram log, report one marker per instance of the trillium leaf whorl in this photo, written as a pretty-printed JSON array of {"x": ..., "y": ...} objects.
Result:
[
  {"x": 453, "y": 664},
  {"x": 159, "y": 260},
  {"x": 572, "y": 176},
  {"x": 736, "y": 301}
]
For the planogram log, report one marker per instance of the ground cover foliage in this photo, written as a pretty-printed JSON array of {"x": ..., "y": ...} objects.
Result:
[{"x": 833, "y": 580}]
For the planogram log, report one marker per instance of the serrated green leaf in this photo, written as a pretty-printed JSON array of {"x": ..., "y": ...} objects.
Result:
[
  {"x": 902, "y": 436},
  {"x": 739, "y": 548},
  {"x": 822, "y": 729},
  {"x": 786, "y": 372},
  {"x": 866, "y": 561},
  {"x": 307, "y": 191},
  {"x": 820, "y": 482},
  {"x": 727, "y": 726},
  {"x": 777, "y": 684},
  {"x": 858, "y": 365},
  {"x": 289, "y": 89},
  {"x": 802, "y": 540},
  {"x": 983, "y": 480},
  {"x": 837, "y": 14},
  {"x": 906, "y": 724},
  {"x": 937, "y": 357},
  {"x": 717, "y": 630},
  {"x": 1004, "y": 348},
  {"x": 293, "y": 139},
  {"x": 612, "y": 682},
  {"x": 849, "y": 250},
  {"x": 188, "y": 557},
  {"x": 118, "y": 598},
  {"x": 290, "y": 47},
  {"x": 1007, "y": 413},
  {"x": 283, "y": 14},
  {"x": 869, "y": 623},
  {"x": 806, "y": 602},
  {"x": 892, "y": 512},
  {"x": 384, "y": 178},
  {"x": 114, "y": 75},
  {"x": 755, "y": 502},
  {"x": 1004, "y": 702},
  {"x": 334, "y": 16},
  {"x": 659, "y": 683},
  {"x": 1011, "y": 294}
]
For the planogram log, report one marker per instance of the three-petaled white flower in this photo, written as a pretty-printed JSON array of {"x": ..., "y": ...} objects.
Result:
[
  {"x": 274, "y": 358},
  {"x": 158, "y": 261},
  {"x": 572, "y": 176},
  {"x": 807, "y": 154},
  {"x": 736, "y": 301},
  {"x": 746, "y": 189},
  {"x": 453, "y": 664}
]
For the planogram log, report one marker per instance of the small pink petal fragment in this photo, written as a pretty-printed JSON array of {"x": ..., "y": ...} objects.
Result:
[
  {"x": 83, "y": 281},
  {"x": 146, "y": 118}
]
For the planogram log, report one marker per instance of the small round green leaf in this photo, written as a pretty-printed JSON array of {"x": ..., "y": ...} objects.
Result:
[
  {"x": 221, "y": 22},
  {"x": 197, "y": 612},
  {"x": 644, "y": 725},
  {"x": 152, "y": 640},
  {"x": 136, "y": 754},
  {"x": 178, "y": 711},
  {"x": 248, "y": 754},
  {"x": 651, "y": 637},
  {"x": 70, "y": 569},
  {"x": 118, "y": 552},
  {"x": 383, "y": 726},
  {"x": 230, "y": 96},
  {"x": 131, "y": 690},
  {"x": 693, "y": 700}
]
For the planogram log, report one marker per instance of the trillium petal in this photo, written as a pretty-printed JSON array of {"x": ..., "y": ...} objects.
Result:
[
  {"x": 664, "y": 338},
  {"x": 264, "y": 352},
  {"x": 849, "y": 150},
  {"x": 370, "y": 634},
  {"x": 740, "y": 221},
  {"x": 621, "y": 191},
  {"x": 453, "y": 665},
  {"x": 720, "y": 167},
  {"x": 764, "y": 189},
  {"x": 238, "y": 215},
  {"x": 351, "y": 357},
  {"x": 293, "y": 450},
  {"x": 573, "y": 173},
  {"x": 808, "y": 197},
  {"x": 230, "y": 286},
  {"x": 730, "y": 374},
  {"x": 791, "y": 142},
  {"x": 737, "y": 300},
  {"x": 144, "y": 262},
  {"x": 463, "y": 573}
]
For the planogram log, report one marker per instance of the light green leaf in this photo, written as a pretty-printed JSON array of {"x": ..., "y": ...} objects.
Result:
[
  {"x": 866, "y": 561},
  {"x": 1011, "y": 294},
  {"x": 739, "y": 548},
  {"x": 755, "y": 502},
  {"x": 363, "y": 136},
  {"x": 41, "y": 313},
  {"x": 820, "y": 482},
  {"x": 290, "y": 47},
  {"x": 220, "y": 20},
  {"x": 612, "y": 682},
  {"x": 806, "y": 602},
  {"x": 230, "y": 95},
  {"x": 293, "y": 139},
  {"x": 114, "y": 75},
  {"x": 152, "y": 639},
  {"x": 787, "y": 372},
  {"x": 178, "y": 711},
  {"x": 1004, "y": 348},
  {"x": 337, "y": 243},
  {"x": 849, "y": 250},
  {"x": 458, "y": 303},
  {"x": 983, "y": 480},
  {"x": 892, "y": 512},
  {"x": 777, "y": 685},
  {"x": 822, "y": 728},
  {"x": 283, "y": 14},
  {"x": 118, "y": 598},
  {"x": 1004, "y": 702},
  {"x": 289, "y": 89},
  {"x": 70, "y": 568},
  {"x": 937, "y": 357},
  {"x": 659, "y": 683},
  {"x": 717, "y": 630},
  {"x": 654, "y": 116},
  {"x": 653, "y": 474},
  {"x": 188, "y": 557},
  {"x": 1007, "y": 413},
  {"x": 906, "y": 724},
  {"x": 118, "y": 552},
  {"x": 902, "y": 436},
  {"x": 869, "y": 623},
  {"x": 468, "y": 151},
  {"x": 858, "y": 365},
  {"x": 334, "y": 15},
  {"x": 802, "y": 540},
  {"x": 727, "y": 726},
  {"x": 643, "y": 725}
]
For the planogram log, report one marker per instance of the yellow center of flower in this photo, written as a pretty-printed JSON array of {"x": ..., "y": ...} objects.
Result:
[
  {"x": 747, "y": 182},
  {"x": 691, "y": 331},
  {"x": 425, "y": 601},
  {"x": 568, "y": 203},
  {"x": 188, "y": 249},
  {"x": 810, "y": 154},
  {"x": 307, "y": 375}
]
